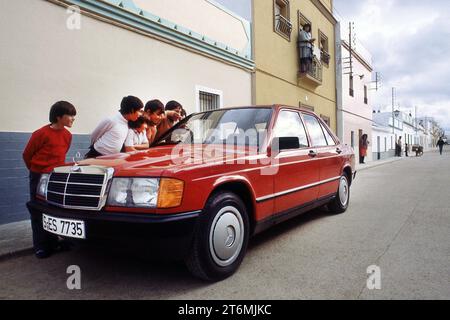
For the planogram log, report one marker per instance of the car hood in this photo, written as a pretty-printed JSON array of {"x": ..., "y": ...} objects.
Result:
[{"x": 155, "y": 161}]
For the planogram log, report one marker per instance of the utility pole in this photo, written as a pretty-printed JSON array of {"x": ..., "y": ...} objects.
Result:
[
  {"x": 417, "y": 129},
  {"x": 350, "y": 43},
  {"x": 393, "y": 112}
]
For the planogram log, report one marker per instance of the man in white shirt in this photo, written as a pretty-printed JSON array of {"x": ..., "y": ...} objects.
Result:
[{"x": 110, "y": 135}]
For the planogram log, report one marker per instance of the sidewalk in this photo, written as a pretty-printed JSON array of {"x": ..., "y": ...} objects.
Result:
[
  {"x": 374, "y": 164},
  {"x": 16, "y": 238}
]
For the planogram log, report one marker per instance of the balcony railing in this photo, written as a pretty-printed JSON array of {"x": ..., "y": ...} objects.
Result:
[
  {"x": 325, "y": 57},
  {"x": 316, "y": 71},
  {"x": 283, "y": 26}
]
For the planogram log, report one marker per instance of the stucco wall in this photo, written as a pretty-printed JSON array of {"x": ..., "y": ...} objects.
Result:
[
  {"x": 362, "y": 76},
  {"x": 354, "y": 123},
  {"x": 94, "y": 68},
  {"x": 202, "y": 16},
  {"x": 277, "y": 60}
]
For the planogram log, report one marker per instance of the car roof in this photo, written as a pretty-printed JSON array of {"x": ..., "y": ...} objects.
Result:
[{"x": 274, "y": 106}]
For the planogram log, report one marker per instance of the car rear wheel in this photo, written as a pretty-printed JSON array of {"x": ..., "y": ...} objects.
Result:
[
  {"x": 220, "y": 239},
  {"x": 340, "y": 203}
]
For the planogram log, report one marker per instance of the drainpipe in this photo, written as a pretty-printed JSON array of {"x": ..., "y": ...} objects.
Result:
[{"x": 339, "y": 106}]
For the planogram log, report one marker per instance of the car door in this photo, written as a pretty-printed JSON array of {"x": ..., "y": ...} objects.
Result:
[
  {"x": 328, "y": 155},
  {"x": 298, "y": 172}
]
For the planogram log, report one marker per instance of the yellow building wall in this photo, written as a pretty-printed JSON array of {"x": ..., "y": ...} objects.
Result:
[{"x": 277, "y": 61}]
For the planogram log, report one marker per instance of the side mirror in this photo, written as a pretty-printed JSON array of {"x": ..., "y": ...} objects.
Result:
[{"x": 285, "y": 143}]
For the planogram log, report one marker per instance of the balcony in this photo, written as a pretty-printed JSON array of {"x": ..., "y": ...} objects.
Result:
[
  {"x": 283, "y": 26},
  {"x": 315, "y": 74}
]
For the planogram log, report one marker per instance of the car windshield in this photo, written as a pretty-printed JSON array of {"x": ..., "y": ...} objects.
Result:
[{"x": 242, "y": 127}]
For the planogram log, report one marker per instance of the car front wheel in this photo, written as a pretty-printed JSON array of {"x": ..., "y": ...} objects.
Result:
[{"x": 221, "y": 238}]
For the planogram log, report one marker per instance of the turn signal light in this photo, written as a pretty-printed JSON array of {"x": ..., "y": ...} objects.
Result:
[{"x": 170, "y": 193}]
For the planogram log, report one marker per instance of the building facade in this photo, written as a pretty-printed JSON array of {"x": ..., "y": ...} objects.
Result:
[
  {"x": 93, "y": 53},
  {"x": 277, "y": 77},
  {"x": 386, "y": 130},
  {"x": 356, "y": 117}
]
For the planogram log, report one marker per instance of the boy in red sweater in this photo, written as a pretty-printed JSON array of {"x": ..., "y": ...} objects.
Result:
[{"x": 46, "y": 150}]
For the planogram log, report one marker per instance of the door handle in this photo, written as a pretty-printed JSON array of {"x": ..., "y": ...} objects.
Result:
[
  {"x": 312, "y": 154},
  {"x": 338, "y": 150}
]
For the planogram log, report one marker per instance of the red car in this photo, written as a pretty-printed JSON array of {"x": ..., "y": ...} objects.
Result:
[{"x": 205, "y": 187}]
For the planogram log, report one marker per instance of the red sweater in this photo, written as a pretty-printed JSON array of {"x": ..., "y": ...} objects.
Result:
[{"x": 47, "y": 149}]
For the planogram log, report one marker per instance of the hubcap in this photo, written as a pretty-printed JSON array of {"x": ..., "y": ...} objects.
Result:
[
  {"x": 226, "y": 236},
  {"x": 343, "y": 191}
]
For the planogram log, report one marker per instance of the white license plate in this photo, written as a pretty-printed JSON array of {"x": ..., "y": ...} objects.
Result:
[{"x": 64, "y": 227}]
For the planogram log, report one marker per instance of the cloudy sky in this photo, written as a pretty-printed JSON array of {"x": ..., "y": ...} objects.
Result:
[
  {"x": 410, "y": 44},
  {"x": 241, "y": 7}
]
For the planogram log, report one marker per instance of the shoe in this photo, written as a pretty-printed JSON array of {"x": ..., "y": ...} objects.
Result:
[{"x": 42, "y": 254}]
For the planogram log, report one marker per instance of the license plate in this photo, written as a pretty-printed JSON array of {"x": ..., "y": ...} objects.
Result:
[{"x": 64, "y": 227}]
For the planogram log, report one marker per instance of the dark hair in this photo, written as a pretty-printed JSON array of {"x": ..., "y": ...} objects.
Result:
[
  {"x": 183, "y": 112},
  {"x": 172, "y": 105},
  {"x": 307, "y": 25},
  {"x": 153, "y": 106},
  {"x": 60, "y": 109},
  {"x": 130, "y": 104},
  {"x": 138, "y": 123}
]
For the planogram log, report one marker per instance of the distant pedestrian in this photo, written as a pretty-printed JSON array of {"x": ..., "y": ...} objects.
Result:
[
  {"x": 363, "y": 146},
  {"x": 440, "y": 144},
  {"x": 110, "y": 135},
  {"x": 406, "y": 149},
  {"x": 398, "y": 147},
  {"x": 46, "y": 150}
]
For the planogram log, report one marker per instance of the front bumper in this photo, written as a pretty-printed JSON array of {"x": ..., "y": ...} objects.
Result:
[{"x": 168, "y": 235}]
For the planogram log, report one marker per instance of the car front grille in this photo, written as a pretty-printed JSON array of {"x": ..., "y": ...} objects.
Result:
[{"x": 78, "y": 190}]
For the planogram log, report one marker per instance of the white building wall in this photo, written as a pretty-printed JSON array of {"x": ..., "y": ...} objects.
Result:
[
  {"x": 94, "y": 68},
  {"x": 356, "y": 114},
  {"x": 383, "y": 138}
]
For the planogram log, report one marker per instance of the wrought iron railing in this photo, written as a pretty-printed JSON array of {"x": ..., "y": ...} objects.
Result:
[
  {"x": 325, "y": 57},
  {"x": 283, "y": 25},
  {"x": 316, "y": 70}
]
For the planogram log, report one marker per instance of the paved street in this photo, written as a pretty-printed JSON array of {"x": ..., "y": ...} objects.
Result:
[{"x": 399, "y": 220}]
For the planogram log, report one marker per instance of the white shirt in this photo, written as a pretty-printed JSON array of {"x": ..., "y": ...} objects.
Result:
[
  {"x": 135, "y": 138},
  {"x": 109, "y": 136}
]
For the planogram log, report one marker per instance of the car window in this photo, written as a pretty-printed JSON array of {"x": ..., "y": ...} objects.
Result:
[
  {"x": 315, "y": 131},
  {"x": 328, "y": 136},
  {"x": 289, "y": 124}
]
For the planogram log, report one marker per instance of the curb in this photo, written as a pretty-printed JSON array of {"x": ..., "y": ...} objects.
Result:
[
  {"x": 15, "y": 240},
  {"x": 16, "y": 254},
  {"x": 376, "y": 165}
]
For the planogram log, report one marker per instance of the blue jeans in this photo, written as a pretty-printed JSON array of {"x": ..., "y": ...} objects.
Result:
[{"x": 42, "y": 240}]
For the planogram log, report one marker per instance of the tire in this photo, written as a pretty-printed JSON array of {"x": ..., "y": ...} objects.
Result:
[
  {"x": 340, "y": 203},
  {"x": 221, "y": 238}
]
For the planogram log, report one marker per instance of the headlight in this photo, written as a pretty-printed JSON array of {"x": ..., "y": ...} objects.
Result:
[
  {"x": 146, "y": 193},
  {"x": 134, "y": 192},
  {"x": 42, "y": 186}
]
